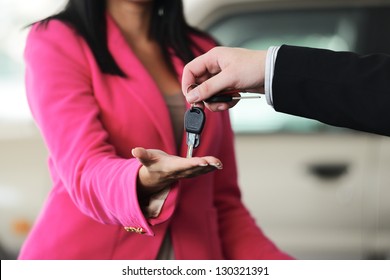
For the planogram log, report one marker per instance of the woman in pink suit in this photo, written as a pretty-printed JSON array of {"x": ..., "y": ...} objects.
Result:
[{"x": 102, "y": 78}]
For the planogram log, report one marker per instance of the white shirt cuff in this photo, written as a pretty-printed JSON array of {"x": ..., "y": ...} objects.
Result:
[{"x": 269, "y": 73}]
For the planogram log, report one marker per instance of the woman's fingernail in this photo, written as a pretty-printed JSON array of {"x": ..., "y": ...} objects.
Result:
[{"x": 203, "y": 164}]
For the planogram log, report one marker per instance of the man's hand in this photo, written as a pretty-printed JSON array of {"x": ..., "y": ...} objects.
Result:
[{"x": 222, "y": 69}]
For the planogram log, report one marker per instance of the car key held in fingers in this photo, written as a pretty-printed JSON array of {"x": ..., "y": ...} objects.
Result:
[
  {"x": 194, "y": 120},
  {"x": 228, "y": 96}
]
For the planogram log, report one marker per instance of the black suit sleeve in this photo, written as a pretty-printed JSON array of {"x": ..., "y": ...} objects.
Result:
[{"x": 338, "y": 88}]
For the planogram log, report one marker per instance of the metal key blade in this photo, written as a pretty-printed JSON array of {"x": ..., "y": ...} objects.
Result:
[
  {"x": 192, "y": 142},
  {"x": 190, "y": 145},
  {"x": 190, "y": 150}
]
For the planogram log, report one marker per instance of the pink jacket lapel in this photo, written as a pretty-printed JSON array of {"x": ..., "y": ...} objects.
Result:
[{"x": 140, "y": 84}]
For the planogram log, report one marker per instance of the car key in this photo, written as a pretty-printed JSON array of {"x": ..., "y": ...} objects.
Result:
[
  {"x": 194, "y": 120},
  {"x": 226, "y": 98}
]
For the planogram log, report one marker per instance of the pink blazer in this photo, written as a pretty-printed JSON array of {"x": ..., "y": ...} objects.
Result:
[{"x": 90, "y": 122}]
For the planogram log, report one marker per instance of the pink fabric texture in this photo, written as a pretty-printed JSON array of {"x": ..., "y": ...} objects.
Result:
[{"x": 90, "y": 121}]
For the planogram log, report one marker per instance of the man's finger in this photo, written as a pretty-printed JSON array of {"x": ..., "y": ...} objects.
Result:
[{"x": 210, "y": 87}]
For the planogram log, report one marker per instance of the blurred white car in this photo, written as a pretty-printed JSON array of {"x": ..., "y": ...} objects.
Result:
[{"x": 319, "y": 192}]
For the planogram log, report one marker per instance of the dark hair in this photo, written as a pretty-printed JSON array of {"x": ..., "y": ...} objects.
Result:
[{"x": 170, "y": 30}]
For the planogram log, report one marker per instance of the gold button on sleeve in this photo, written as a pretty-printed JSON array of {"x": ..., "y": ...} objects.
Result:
[{"x": 138, "y": 230}]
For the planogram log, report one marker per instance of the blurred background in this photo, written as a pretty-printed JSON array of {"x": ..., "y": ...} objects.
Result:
[{"x": 319, "y": 192}]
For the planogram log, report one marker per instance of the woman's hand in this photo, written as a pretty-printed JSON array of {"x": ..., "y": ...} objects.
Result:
[{"x": 161, "y": 170}]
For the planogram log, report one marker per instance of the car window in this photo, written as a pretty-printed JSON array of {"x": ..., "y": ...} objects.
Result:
[{"x": 336, "y": 29}]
